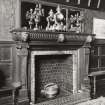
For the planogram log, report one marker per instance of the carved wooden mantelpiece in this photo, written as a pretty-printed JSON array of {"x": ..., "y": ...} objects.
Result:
[
  {"x": 71, "y": 38},
  {"x": 30, "y": 44}
]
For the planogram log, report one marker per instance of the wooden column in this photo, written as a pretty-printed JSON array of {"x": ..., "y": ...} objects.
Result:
[
  {"x": 83, "y": 67},
  {"x": 21, "y": 68},
  {"x": 84, "y": 62}
]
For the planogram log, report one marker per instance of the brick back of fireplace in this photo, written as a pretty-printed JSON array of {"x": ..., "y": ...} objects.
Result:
[{"x": 54, "y": 69}]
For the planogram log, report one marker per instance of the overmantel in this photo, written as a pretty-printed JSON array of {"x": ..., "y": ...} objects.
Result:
[{"x": 51, "y": 37}]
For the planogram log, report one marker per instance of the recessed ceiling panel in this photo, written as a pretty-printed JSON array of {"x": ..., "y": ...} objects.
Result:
[
  {"x": 84, "y": 3},
  {"x": 102, "y": 5}
]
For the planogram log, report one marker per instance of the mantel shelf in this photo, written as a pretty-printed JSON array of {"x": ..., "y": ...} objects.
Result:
[{"x": 51, "y": 36}]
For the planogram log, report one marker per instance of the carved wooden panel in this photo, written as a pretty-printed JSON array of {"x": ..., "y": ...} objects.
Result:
[
  {"x": 5, "y": 54},
  {"x": 6, "y": 64}
]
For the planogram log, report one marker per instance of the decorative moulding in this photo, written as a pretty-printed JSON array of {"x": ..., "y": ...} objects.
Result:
[{"x": 23, "y": 35}]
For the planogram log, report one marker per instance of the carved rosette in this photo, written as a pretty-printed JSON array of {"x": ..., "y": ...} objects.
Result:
[{"x": 61, "y": 38}]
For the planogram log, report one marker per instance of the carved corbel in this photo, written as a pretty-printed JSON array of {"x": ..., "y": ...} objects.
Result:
[
  {"x": 20, "y": 36},
  {"x": 22, "y": 48}
]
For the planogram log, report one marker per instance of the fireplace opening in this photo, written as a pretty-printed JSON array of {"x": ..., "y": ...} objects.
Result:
[{"x": 56, "y": 69}]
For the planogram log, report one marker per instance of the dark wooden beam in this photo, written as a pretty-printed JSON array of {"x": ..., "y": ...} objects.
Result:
[
  {"x": 67, "y": 1},
  {"x": 93, "y": 4},
  {"x": 79, "y": 1},
  {"x": 98, "y": 4},
  {"x": 89, "y": 2}
]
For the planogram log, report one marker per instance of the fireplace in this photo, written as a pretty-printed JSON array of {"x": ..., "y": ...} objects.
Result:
[
  {"x": 54, "y": 57},
  {"x": 59, "y": 67}
]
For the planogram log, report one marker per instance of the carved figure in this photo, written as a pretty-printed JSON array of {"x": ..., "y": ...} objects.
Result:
[
  {"x": 30, "y": 16},
  {"x": 71, "y": 21},
  {"x": 34, "y": 16},
  {"x": 38, "y": 12},
  {"x": 76, "y": 22},
  {"x": 59, "y": 18},
  {"x": 50, "y": 19}
]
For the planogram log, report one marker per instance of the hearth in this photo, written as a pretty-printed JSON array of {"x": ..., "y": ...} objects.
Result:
[{"x": 60, "y": 58}]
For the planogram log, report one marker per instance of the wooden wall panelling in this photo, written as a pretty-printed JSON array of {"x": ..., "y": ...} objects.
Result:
[
  {"x": 6, "y": 63},
  {"x": 12, "y": 70},
  {"x": 7, "y": 69}
]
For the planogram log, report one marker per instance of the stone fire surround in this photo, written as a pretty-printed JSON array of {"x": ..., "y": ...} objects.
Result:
[{"x": 75, "y": 68}]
